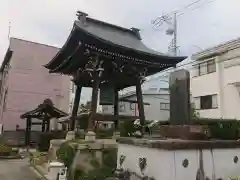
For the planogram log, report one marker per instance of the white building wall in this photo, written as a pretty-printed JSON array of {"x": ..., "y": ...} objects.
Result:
[
  {"x": 225, "y": 82},
  {"x": 205, "y": 85},
  {"x": 152, "y": 111}
]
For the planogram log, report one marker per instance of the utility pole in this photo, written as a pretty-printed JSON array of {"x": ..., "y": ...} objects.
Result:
[
  {"x": 9, "y": 29},
  {"x": 175, "y": 34},
  {"x": 171, "y": 30}
]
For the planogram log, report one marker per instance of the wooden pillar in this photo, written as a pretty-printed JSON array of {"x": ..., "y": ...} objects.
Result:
[
  {"x": 48, "y": 125},
  {"x": 94, "y": 102},
  {"x": 75, "y": 107},
  {"x": 116, "y": 108},
  {"x": 140, "y": 104},
  {"x": 43, "y": 125},
  {"x": 28, "y": 131}
]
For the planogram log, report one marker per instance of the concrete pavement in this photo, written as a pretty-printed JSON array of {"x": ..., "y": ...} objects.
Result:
[{"x": 16, "y": 170}]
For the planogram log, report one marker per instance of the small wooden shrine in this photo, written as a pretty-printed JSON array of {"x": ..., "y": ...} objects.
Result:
[
  {"x": 44, "y": 112},
  {"x": 107, "y": 57}
]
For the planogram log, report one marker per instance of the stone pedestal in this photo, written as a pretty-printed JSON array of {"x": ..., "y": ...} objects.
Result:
[
  {"x": 54, "y": 169},
  {"x": 95, "y": 154},
  {"x": 191, "y": 132},
  {"x": 70, "y": 135},
  {"x": 90, "y": 136},
  {"x": 54, "y": 146}
]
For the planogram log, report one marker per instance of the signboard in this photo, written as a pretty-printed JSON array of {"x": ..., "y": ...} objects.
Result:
[{"x": 106, "y": 96}]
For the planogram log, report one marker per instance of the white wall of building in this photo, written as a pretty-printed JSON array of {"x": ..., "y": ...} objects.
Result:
[
  {"x": 224, "y": 82},
  {"x": 163, "y": 164},
  {"x": 157, "y": 110}
]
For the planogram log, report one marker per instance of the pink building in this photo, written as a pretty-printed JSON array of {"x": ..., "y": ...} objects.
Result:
[{"x": 25, "y": 83}]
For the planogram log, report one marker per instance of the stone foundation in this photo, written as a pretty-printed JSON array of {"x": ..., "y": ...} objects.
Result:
[
  {"x": 191, "y": 132},
  {"x": 91, "y": 153}
]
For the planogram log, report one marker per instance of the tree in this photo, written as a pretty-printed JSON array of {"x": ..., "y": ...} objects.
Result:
[
  {"x": 194, "y": 115},
  {"x": 85, "y": 108}
]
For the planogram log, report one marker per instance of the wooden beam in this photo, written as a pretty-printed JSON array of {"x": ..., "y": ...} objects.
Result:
[
  {"x": 75, "y": 107},
  {"x": 28, "y": 131},
  {"x": 43, "y": 125},
  {"x": 133, "y": 101},
  {"x": 140, "y": 104},
  {"x": 94, "y": 101},
  {"x": 116, "y": 107}
]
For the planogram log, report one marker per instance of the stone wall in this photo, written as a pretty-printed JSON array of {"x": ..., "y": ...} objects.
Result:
[{"x": 18, "y": 137}]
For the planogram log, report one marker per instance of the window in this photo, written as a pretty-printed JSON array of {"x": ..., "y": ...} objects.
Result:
[
  {"x": 164, "y": 89},
  {"x": 206, "y": 102},
  {"x": 132, "y": 106},
  {"x": 211, "y": 66},
  {"x": 204, "y": 68},
  {"x": 122, "y": 108},
  {"x": 164, "y": 106}
]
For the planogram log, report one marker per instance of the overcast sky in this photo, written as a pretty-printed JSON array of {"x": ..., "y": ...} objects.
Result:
[{"x": 50, "y": 21}]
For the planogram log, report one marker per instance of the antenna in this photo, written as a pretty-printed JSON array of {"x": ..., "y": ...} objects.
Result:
[{"x": 9, "y": 29}]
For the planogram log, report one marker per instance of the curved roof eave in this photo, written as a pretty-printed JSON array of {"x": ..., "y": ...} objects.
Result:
[
  {"x": 66, "y": 61},
  {"x": 55, "y": 61}
]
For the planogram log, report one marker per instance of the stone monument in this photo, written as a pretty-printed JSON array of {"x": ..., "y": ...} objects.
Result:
[
  {"x": 181, "y": 126},
  {"x": 179, "y": 85}
]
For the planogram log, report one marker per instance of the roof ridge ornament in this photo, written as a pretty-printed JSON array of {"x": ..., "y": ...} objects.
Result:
[
  {"x": 137, "y": 32},
  {"x": 82, "y": 16}
]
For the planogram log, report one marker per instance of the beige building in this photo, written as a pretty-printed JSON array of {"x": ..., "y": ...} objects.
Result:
[
  {"x": 25, "y": 83},
  {"x": 215, "y": 81}
]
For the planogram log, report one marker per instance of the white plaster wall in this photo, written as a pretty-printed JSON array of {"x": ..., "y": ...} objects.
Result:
[
  {"x": 163, "y": 164},
  {"x": 231, "y": 96},
  {"x": 152, "y": 111},
  {"x": 206, "y": 85},
  {"x": 222, "y": 82}
]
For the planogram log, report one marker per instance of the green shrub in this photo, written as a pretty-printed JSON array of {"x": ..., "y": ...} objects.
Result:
[
  {"x": 5, "y": 150},
  {"x": 126, "y": 128},
  {"x": 226, "y": 129},
  {"x": 66, "y": 154},
  {"x": 83, "y": 122},
  {"x": 104, "y": 133},
  {"x": 110, "y": 158},
  {"x": 46, "y": 137}
]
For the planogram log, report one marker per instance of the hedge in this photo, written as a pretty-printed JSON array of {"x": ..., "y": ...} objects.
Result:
[
  {"x": 46, "y": 137},
  {"x": 227, "y": 129}
]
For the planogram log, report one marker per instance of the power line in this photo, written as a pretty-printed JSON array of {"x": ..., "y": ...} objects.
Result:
[
  {"x": 159, "y": 20},
  {"x": 173, "y": 47},
  {"x": 173, "y": 30},
  {"x": 198, "y": 7}
]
